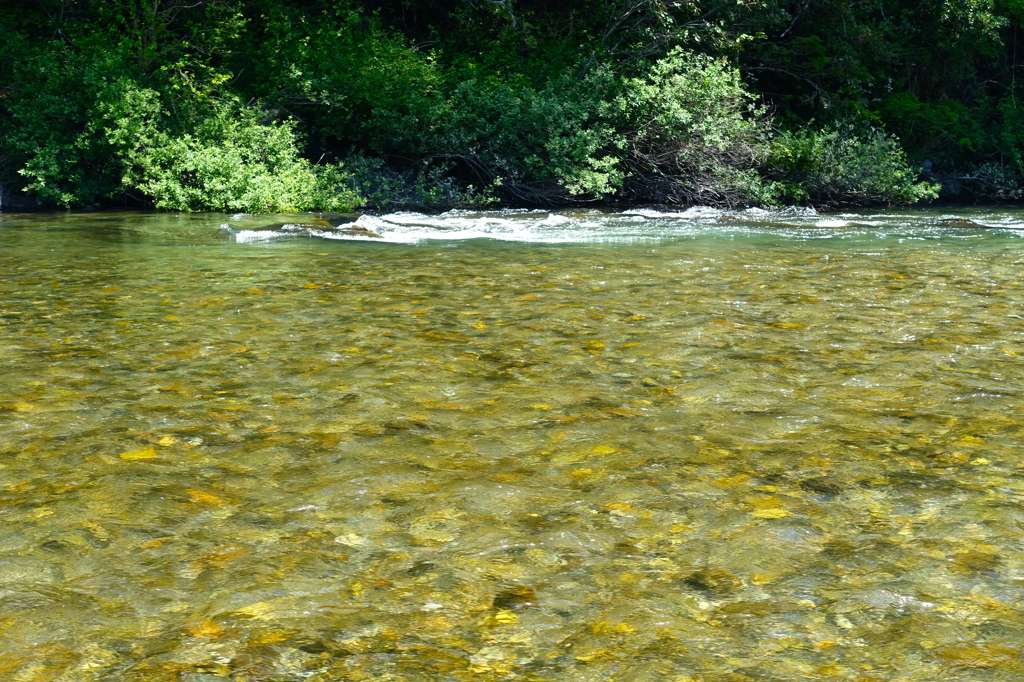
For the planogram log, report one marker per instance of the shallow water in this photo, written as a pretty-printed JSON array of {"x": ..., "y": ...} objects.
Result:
[{"x": 513, "y": 446}]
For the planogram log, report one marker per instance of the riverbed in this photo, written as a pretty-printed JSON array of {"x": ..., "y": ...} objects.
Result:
[{"x": 598, "y": 445}]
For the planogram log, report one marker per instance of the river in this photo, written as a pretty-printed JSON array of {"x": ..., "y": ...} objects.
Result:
[{"x": 694, "y": 446}]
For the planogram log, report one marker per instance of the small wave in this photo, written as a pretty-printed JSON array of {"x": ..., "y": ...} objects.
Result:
[
  {"x": 249, "y": 236},
  {"x": 798, "y": 212},
  {"x": 555, "y": 219}
]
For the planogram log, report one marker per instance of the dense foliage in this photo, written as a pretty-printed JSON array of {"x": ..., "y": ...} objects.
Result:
[{"x": 274, "y": 105}]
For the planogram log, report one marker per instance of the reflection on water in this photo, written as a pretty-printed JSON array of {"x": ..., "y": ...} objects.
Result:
[{"x": 734, "y": 448}]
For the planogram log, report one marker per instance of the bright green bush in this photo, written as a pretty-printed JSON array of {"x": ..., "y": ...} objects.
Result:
[
  {"x": 846, "y": 166},
  {"x": 95, "y": 120},
  {"x": 219, "y": 155},
  {"x": 691, "y": 133},
  {"x": 226, "y": 160}
]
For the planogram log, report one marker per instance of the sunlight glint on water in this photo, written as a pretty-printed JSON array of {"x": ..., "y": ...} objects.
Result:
[{"x": 635, "y": 446}]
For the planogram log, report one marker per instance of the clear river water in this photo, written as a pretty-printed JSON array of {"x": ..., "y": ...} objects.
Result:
[{"x": 692, "y": 446}]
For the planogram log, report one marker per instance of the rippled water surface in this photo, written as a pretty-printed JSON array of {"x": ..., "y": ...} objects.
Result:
[{"x": 695, "y": 446}]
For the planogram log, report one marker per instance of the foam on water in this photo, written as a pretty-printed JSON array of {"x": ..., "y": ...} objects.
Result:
[{"x": 630, "y": 225}]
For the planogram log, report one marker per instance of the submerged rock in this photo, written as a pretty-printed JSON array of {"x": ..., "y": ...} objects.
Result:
[
  {"x": 359, "y": 231},
  {"x": 346, "y": 226},
  {"x": 977, "y": 562},
  {"x": 518, "y": 597},
  {"x": 322, "y": 226},
  {"x": 713, "y": 580},
  {"x": 820, "y": 485},
  {"x": 959, "y": 222},
  {"x": 751, "y": 608},
  {"x": 989, "y": 655}
]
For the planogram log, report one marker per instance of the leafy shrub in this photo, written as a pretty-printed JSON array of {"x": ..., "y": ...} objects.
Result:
[
  {"x": 846, "y": 165},
  {"x": 683, "y": 131},
  {"x": 84, "y": 122},
  {"x": 692, "y": 133},
  {"x": 225, "y": 159},
  {"x": 542, "y": 145},
  {"x": 49, "y": 133},
  {"x": 990, "y": 182},
  {"x": 353, "y": 82},
  {"x": 1000, "y": 176},
  {"x": 218, "y": 155}
]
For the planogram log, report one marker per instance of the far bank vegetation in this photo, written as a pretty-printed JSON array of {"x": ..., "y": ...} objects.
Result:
[{"x": 269, "y": 105}]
